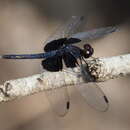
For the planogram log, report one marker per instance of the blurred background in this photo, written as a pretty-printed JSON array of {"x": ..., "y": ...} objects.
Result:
[{"x": 25, "y": 25}]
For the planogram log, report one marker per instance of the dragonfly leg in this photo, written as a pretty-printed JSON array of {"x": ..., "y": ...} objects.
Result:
[{"x": 84, "y": 60}]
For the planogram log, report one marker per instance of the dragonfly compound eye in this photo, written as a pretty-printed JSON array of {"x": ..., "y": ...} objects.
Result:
[{"x": 89, "y": 50}]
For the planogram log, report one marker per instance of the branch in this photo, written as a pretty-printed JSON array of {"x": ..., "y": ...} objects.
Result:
[{"x": 101, "y": 69}]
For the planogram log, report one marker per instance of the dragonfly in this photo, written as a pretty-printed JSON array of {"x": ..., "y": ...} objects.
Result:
[{"x": 61, "y": 47}]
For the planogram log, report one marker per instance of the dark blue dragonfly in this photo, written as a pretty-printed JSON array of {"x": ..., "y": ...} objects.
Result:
[{"x": 60, "y": 47}]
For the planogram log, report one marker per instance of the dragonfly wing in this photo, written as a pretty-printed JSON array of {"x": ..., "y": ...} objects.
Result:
[
  {"x": 71, "y": 27},
  {"x": 95, "y": 33},
  {"x": 69, "y": 60},
  {"x": 94, "y": 96},
  {"x": 54, "y": 45},
  {"x": 53, "y": 64},
  {"x": 59, "y": 100}
]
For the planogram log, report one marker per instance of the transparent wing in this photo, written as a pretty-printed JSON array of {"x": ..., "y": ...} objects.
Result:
[
  {"x": 71, "y": 27},
  {"x": 94, "y": 96},
  {"x": 59, "y": 100},
  {"x": 95, "y": 33}
]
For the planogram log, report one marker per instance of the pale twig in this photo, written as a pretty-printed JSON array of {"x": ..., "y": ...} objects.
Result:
[{"x": 101, "y": 69}]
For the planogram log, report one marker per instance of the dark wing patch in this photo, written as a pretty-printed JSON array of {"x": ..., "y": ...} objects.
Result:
[
  {"x": 72, "y": 41},
  {"x": 54, "y": 45},
  {"x": 69, "y": 60},
  {"x": 53, "y": 64}
]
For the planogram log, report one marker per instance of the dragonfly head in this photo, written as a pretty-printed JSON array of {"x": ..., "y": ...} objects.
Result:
[{"x": 88, "y": 51}]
